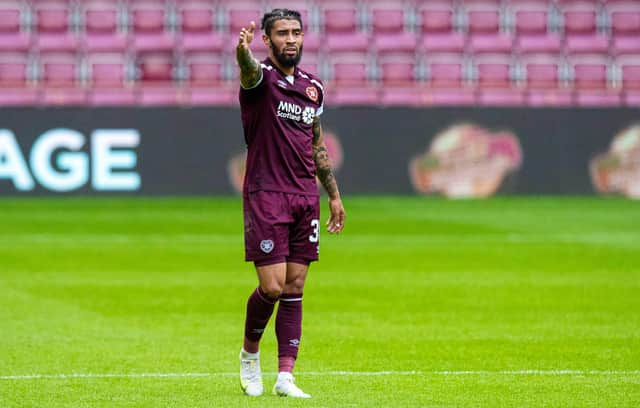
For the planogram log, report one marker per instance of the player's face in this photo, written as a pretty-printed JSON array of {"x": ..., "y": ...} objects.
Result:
[{"x": 285, "y": 42}]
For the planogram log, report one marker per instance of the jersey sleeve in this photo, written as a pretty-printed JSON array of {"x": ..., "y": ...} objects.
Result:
[
  {"x": 318, "y": 83},
  {"x": 254, "y": 93}
]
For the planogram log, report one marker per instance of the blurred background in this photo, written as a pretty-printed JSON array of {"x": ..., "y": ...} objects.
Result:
[{"x": 527, "y": 95}]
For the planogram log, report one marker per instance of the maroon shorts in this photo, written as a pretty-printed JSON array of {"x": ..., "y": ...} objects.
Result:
[{"x": 281, "y": 227}]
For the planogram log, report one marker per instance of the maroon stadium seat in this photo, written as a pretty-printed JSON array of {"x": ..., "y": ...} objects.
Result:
[
  {"x": 629, "y": 66},
  {"x": 205, "y": 69},
  {"x": 437, "y": 27},
  {"x": 541, "y": 71},
  {"x": 155, "y": 67},
  {"x": 591, "y": 81},
  {"x": 493, "y": 70},
  {"x": 397, "y": 70},
  {"x": 436, "y": 17},
  {"x": 206, "y": 81},
  {"x": 349, "y": 69},
  {"x": 580, "y": 22},
  {"x": 413, "y": 95},
  {"x": 530, "y": 18},
  {"x": 197, "y": 26},
  {"x": 590, "y": 71},
  {"x": 148, "y": 22},
  {"x": 101, "y": 26},
  {"x": 311, "y": 63},
  {"x": 339, "y": 16},
  {"x": 13, "y": 36},
  {"x": 625, "y": 26},
  {"x": 544, "y": 82},
  {"x": 312, "y": 42},
  {"x": 493, "y": 78},
  {"x": 579, "y": 18},
  {"x": 531, "y": 26},
  {"x": 483, "y": 19},
  {"x": 485, "y": 29},
  {"x": 53, "y": 26},
  {"x": 587, "y": 44},
  {"x": 349, "y": 80},
  {"x": 446, "y": 80},
  {"x": 598, "y": 98},
  {"x": 445, "y": 70},
  {"x": 535, "y": 44},
  {"x": 15, "y": 88},
  {"x": 167, "y": 95},
  {"x": 155, "y": 85},
  {"x": 443, "y": 42},
  {"x": 490, "y": 43},
  {"x": 108, "y": 81},
  {"x": 347, "y": 42},
  {"x": 354, "y": 95},
  {"x": 388, "y": 16},
  {"x": 60, "y": 79},
  {"x": 404, "y": 42},
  {"x": 239, "y": 14}
]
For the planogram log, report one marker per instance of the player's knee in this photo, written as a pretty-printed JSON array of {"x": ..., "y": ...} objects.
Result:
[
  {"x": 295, "y": 285},
  {"x": 273, "y": 290}
]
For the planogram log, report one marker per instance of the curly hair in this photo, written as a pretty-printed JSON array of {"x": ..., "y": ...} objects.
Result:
[{"x": 278, "y": 14}]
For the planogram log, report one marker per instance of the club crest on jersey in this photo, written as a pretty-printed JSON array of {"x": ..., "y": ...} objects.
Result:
[
  {"x": 266, "y": 245},
  {"x": 312, "y": 92}
]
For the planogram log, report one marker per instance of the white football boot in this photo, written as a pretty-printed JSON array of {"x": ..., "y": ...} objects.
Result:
[
  {"x": 250, "y": 374},
  {"x": 285, "y": 387}
]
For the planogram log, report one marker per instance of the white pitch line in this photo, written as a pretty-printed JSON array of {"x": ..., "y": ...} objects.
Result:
[{"x": 327, "y": 373}]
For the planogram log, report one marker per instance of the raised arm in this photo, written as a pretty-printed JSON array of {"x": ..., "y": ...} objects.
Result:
[
  {"x": 250, "y": 72},
  {"x": 335, "y": 224}
]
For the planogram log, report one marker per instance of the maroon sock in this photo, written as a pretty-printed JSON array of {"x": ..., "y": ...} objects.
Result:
[
  {"x": 259, "y": 310},
  {"x": 288, "y": 330}
]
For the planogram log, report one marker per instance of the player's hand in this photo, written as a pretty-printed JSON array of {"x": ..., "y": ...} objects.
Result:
[
  {"x": 246, "y": 35},
  {"x": 335, "y": 224}
]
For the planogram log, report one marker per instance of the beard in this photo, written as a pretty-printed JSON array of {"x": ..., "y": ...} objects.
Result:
[{"x": 286, "y": 60}]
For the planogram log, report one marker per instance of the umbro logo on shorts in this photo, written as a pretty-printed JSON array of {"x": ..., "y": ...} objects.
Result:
[
  {"x": 294, "y": 342},
  {"x": 266, "y": 245}
]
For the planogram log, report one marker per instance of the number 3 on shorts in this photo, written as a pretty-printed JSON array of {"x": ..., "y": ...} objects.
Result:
[{"x": 315, "y": 224}]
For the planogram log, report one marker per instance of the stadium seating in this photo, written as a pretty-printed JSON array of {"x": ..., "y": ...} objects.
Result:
[
  {"x": 545, "y": 81},
  {"x": 15, "y": 86},
  {"x": 60, "y": 79},
  {"x": 53, "y": 25},
  {"x": 386, "y": 52},
  {"x": 149, "y": 26},
  {"x": 13, "y": 36},
  {"x": 109, "y": 80},
  {"x": 101, "y": 28},
  {"x": 198, "y": 31}
]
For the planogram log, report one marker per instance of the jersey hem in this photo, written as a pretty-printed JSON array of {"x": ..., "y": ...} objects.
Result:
[{"x": 281, "y": 190}]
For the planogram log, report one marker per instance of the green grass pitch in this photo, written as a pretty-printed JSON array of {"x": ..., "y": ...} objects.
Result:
[{"x": 508, "y": 302}]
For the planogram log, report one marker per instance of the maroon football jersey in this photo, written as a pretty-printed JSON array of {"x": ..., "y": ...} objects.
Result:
[{"x": 277, "y": 118}]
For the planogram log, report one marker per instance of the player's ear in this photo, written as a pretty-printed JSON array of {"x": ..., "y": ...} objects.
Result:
[{"x": 266, "y": 40}]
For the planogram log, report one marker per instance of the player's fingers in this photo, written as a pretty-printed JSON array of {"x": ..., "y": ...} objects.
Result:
[
  {"x": 331, "y": 224},
  {"x": 252, "y": 27},
  {"x": 340, "y": 224}
]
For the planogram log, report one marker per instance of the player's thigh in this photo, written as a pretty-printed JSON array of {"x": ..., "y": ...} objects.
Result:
[
  {"x": 296, "y": 277},
  {"x": 266, "y": 227},
  {"x": 272, "y": 278},
  {"x": 304, "y": 234}
]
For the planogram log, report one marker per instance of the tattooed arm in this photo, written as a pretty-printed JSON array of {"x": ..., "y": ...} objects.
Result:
[
  {"x": 250, "y": 71},
  {"x": 335, "y": 224}
]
